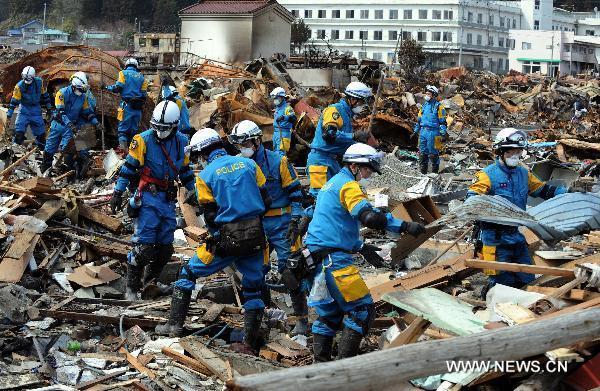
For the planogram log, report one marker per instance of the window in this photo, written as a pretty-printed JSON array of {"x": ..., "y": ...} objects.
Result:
[
  {"x": 307, "y": 14},
  {"x": 514, "y": 23},
  {"x": 142, "y": 42},
  {"x": 469, "y": 38},
  {"x": 448, "y": 15},
  {"x": 296, "y": 13},
  {"x": 364, "y": 14},
  {"x": 422, "y": 14},
  {"x": 392, "y": 35},
  {"x": 407, "y": 14},
  {"x": 406, "y": 35},
  {"x": 500, "y": 63},
  {"x": 590, "y": 51},
  {"x": 480, "y": 18},
  {"x": 436, "y": 14},
  {"x": 377, "y": 56},
  {"x": 469, "y": 17},
  {"x": 336, "y": 14},
  {"x": 363, "y": 34},
  {"x": 378, "y": 35},
  {"x": 349, "y": 34},
  {"x": 393, "y": 14},
  {"x": 479, "y": 40},
  {"x": 155, "y": 42},
  {"x": 422, "y": 36},
  {"x": 362, "y": 55},
  {"x": 526, "y": 46},
  {"x": 491, "y": 19},
  {"x": 349, "y": 14},
  {"x": 378, "y": 14},
  {"x": 536, "y": 24},
  {"x": 502, "y": 21},
  {"x": 501, "y": 42},
  {"x": 335, "y": 34},
  {"x": 590, "y": 32},
  {"x": 531, "y": 66},
  {"x": 322, "y": 14},
  {"x": 436, "y": 36},
  {"x": 490, "y": 41},
  {"x": 447, "y": 37},
  {"x": 320, "y": 34},
  {"x": 537, "y": 4}
]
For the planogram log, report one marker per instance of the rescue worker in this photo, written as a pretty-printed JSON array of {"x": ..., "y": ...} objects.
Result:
[
  {"x": 231, "y": 193},
  {"x": 286, "y": 196},
  {"x": 31, "y": 94},
  {"x": 158, "y": 156},
  {"x": 432, "y": 130},
  {"x": 333, "y": 237},
  {"x": 579, "y": 112},
  {"x": 132, "y": 87},
  {"x": 170, "y": 93},
  {"x": 81, "y": 158},
  {"x": 284, "y": 121},
  {"x": 334, "y": 134},
  {"x": 509, "y": 179},
  {"x": 72, "y": 105}
]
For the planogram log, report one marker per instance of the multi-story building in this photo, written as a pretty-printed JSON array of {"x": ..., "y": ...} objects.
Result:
[{"x": 474, "y": 33}]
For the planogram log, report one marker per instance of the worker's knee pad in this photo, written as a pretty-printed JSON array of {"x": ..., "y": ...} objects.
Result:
[{"x": 142, "y": 254}]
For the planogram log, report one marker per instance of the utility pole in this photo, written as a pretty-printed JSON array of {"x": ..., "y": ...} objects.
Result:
[
  {"x": 44, "y": 26},
  {"x": 551, "y": 67},
  {"x": 461, "y": 16}
]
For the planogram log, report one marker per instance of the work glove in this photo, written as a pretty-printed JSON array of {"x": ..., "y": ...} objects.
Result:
[
  {"x": 116, "y": 201},
  {"x": 280, "y": 118},
  {"x": 293, "y": 230},
  {"x": 190, "y": 198},
  {"x": 132, "y": 212},
  {"x": 10, "y": 113},
  {"x": 362, "y": 136},
  {"x": 329, "y": 134},
  {"x": 369, "y": 252},
  {"x": 414, "y": 229}
]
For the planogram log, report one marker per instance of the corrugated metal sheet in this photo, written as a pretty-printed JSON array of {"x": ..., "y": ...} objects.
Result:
[{"x": 570, "y": 213}]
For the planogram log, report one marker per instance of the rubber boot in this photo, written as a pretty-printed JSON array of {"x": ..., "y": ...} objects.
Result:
[
  {"x": 163, "y": 255},
  {"x": 180, "y": 303},
  {"x": 349, "y": 343},
  {"x": 19, "y": 138},
  {"x": 435, "y": 163},
  {"x": 301, "y": 311},
  {"x": 322, "y": 345},
  {"x": 152, "y": 271},
  {"x": 134, "y": 284},
  {"x": 252, "y": 322},
  {"x": 423, "y": 163},
  {"x": 266, "y": 296},
  {"x": 46, "y": 161},
  {"x": 82, "y": 165}
]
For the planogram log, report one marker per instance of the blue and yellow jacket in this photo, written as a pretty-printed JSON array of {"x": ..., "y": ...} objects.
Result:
[
  {"x": 514, "y": 184},
  {"x": 130, "y": 84},
  {"x": 30, "y": 96},
  {"x": 282, "y": 183},
  {"x": 184, "y": 114},
  {"x": 282, "y": 129},
  {"x": 233, "y": 183},
  {"x": 145, "y": 151},
  {"x": 432, "y": 116},
  {"x": 338, "y": 115},
  {"x": 71, "y": 108}
]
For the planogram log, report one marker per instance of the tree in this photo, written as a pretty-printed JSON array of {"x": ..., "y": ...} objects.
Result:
[
  {"x": 300, "y": 34},
  {"x": 410, "y": 56},
  {"x": 165, "y": 13}
]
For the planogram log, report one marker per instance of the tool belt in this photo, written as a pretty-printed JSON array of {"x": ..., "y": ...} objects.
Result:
[
  {"x": 135, "y": 103},
  {"x": 149, "y": 183},
  {"x": 243, "y": 237},
  {"x": 278, "y": 211},
  {"x": 302, "y": 263}
]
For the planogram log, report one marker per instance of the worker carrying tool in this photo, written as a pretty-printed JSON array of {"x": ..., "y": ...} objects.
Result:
[
  {"x": 132, "y": 87},
  {"x": 508, "y": 178},
  {"x": 158, "y": 156},
  {"x": 339, "y": 294},
  {"x": 171, "y": 93},
  {"x": 432, "y": 130},
  {"x": 30, "y": 93},
  {"x": 231, "y": 193},
  {"x": 283, "y": 123},
  {"x": 285, "y": 211}
]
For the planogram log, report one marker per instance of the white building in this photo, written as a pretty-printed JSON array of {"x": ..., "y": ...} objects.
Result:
[
  {"x": 474, "y": 33},
  {"x": 235, "y": 31}
]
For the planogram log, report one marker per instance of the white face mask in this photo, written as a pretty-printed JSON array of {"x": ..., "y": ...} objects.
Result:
[
  {"x": 364, "y": 182},
  {"x": 277, "y": 102},
  {"x": 78, "y": 93},
  {"x": 162, "y": 134},
  {"x": 513, "y": 161},
  {"x": 427, "y": 98},
  {"x": 247, "y": 152},
  {"x": 358, "y": 109}
]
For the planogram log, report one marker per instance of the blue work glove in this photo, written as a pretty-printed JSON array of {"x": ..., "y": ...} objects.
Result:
[{"x": 10, "y": 113}]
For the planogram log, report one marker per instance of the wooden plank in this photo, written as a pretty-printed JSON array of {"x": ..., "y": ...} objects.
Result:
[
  {"x": 49, "y": 209},
  {"x": 137, "y": 365},
  {"x": 188, "y": 211},
  {"x": 268, "y": 354},
  {"x": 574, "y": 294},
  {"x": 187, "y": 361},
  {"x": 101, "y": 379},
  {"x": 410, "y": 335},
  {"x": 15, "y": 261},
  {"x": 8, "y": 170},
  {"x": 37, "y": 184},
  {"x": 574, "y": 308},
  {"x": 9, "y": 382},
  {"x": 196, "y": 233},
  {"x": 108, "y": 222},
  {"x": 210, "y": 360},
  {"x": 515, "y": 267},
  {"x": 213, "y": 313},
  {"x": 276, "y": 347},
  {"x": 514, "y": 314}
]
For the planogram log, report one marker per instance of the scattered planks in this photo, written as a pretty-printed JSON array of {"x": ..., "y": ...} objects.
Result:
[
  {"x": 411, "y": 333},
  {"x": 108, "y": 222},
  {"x": 187, "y": 361},
  {"x": 514, "y": 267},
  {"x": 206, "y": 357}
]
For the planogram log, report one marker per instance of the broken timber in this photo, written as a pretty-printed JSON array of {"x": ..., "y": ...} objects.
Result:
[
  {"x": 406, "y": 362},
  {"x": 515, "y": 267}
]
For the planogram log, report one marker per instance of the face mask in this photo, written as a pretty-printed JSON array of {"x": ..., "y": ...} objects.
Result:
[
  {"x": 78, "y": 93},
  {"x": 358, "y": 109},
  {"x": 364, "y": 182},
  {"x": 203, "y": 163},
  {"x": 277, "y": 102},
  {"x": 427, "y": 98},
  {"x": 513, "y": 161},
  {"x": 162, "y": 134},
  {"x": 28, "y": 81},
  {"x": 247, "y": 152}
]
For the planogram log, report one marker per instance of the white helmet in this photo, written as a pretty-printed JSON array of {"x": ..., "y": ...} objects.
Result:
[
  {"x": 358, "y": 90},
  {"x": 433, "y": 89},
  {"x": 364, "y": 154},
  {"x": 165, "y": 118},
  {"x": 131, "y": 61},
  {"x": 510, "y": 138},
  {"x": 202, "y": 139},
  {"x": 79, "y": 83},
  {"x": 244, "y": 131},
  {"x": 277, "y": 92},
  {"x": 168, "y": 91},
  {"x": 28, "y": 74}
]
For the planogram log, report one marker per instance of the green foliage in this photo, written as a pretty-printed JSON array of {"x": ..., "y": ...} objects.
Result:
[
  {"x": 300, "y": 34},
  {"x": 410, "y": 56}
]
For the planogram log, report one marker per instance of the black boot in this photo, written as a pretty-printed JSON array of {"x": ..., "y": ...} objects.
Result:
[
  {"x": 266, "y": 296},
  {"x": 19, "y": 138},
  {"x": 134, "y": 284},
  {"x": 82, "y": 165},
  {"x": 163, "y": 255},
  {"x": 180, "y": 303},
  {"x": 322, "y": 345},
  {"x": 349, "y": 343},
  {"x": 435, "y": 163},
  {"x": 252, "y": 322},
  {"x": 46, "y": 161},
  {"x": 423, "y": 163},
  {"x": 301, "y": 311}
]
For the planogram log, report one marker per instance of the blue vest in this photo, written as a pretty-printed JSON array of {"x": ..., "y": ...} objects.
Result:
[{"x": 344, "y": 135}]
